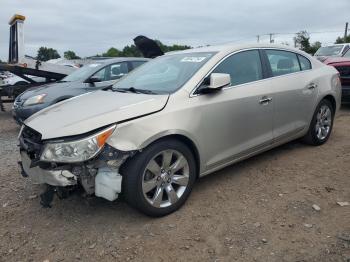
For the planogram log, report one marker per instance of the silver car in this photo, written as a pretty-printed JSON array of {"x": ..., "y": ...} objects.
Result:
[{"x": 177, "y": 118}]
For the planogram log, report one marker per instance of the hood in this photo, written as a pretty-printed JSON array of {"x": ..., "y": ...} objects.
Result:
[
  {"x": 90, "y": 111},
  {"x": 47, "y": 89},
  {"x": 332, "y": 60},
  {"x": 148, "y": 47}
]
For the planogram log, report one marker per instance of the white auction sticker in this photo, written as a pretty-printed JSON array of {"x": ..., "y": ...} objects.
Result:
[
  {"x": 193, "y": 59},
  {"x": 93, "y": 65}
]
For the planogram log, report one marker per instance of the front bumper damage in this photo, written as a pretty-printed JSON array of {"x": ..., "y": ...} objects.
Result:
[
  {"x": 38, "y": 175},
  {"x": 99, "y": 176}
]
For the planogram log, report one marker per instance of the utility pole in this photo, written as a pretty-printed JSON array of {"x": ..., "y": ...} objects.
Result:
[
  {"x": 346, "y": 31},
  {"x": 258, "y": 38},
  {"x": 271, "y": 40}
]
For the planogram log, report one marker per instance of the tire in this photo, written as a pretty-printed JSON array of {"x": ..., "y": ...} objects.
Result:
[
  {"x": 138, "y": 178},
  {"x": 314, "y": 136}
]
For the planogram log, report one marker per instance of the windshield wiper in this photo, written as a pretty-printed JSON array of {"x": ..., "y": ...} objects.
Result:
[
  {"x": 110, "y": 87},
  {"x": 134, "y": 90}
]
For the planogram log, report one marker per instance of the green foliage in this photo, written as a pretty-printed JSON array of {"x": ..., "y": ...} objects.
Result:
[
  {"x": 341, "y": 40},
  {"x": 70, "y": 55},
  {"x": 302, "y": 39},
  {"x": 112, "y": 52},
  {"x": 170, "y": 48},
  {"x": 133, "y": 51},
  {"x": 315, "y": 46},
  {"x": 45, "y": 54}
]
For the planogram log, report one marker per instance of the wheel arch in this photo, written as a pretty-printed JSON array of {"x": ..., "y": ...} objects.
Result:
[
  {"x": 188, "y": 142},
  {"x": 332, "y": 100}
]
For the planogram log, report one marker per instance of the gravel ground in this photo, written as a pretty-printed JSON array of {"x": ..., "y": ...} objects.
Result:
[{"x": 257, "y": 210}]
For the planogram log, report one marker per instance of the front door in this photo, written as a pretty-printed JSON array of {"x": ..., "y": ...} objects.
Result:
[{"x": 236, "y": 120}]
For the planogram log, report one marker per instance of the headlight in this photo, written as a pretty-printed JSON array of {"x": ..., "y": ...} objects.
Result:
[
  {"x": 76, "y": 151},
  {"x": 34, "y": 100}
]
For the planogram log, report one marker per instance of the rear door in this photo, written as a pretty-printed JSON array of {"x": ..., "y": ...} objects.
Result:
[{"x": 293, "y": 91}]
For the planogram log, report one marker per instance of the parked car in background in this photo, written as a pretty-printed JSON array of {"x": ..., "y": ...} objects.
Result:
[
  {"x": 331, "y": 51},
  {"x": 9, "y": 79},
  {"x": 180, "y": 116},
  {"x": 97, "y": 75},
  {"x": 342, "y": 64}
]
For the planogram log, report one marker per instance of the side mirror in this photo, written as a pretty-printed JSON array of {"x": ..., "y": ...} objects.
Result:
[
  {"x": 93, "y": 79},
  {"x": 215, "y": 82}
]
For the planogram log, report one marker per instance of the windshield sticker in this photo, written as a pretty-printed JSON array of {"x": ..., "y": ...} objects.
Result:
[{"x": 193, "y": 59}]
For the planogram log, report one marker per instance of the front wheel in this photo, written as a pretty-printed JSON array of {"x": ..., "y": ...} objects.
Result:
[
  {"x": 321, "y": 124},
  {"x": 158, "y": 180}
]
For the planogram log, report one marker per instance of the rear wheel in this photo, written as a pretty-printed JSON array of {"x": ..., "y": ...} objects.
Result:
[
  {"x": 321, "y": 125},
  {"x": 158, "y": 180}
]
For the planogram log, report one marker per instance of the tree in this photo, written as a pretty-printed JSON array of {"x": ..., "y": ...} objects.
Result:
[
  {"x": 131, "y": 51},
  {"x": 112, "y": 52},
  {"x": 302, "y": 40},
  {"x": 45, "y": 54},
  {"x": 341, "y": 40},
  {"x": 314, "y": 47},
  {"x": 70, "y": 55},
  {"x": 175, "y": 47}
]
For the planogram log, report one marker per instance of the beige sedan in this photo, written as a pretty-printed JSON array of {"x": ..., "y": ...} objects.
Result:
[{"x": 177, "y": 118}]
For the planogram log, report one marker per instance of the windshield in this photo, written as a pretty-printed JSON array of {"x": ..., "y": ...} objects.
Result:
[
  {"x": 333, "y": 50},
  {"x": 81, "y": 74},
  {"x": 347, "y": 54},
  {"x": 164, "y": 74}
]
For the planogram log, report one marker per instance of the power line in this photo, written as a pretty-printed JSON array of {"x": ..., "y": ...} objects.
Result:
[{"x": 281, "y": 34}]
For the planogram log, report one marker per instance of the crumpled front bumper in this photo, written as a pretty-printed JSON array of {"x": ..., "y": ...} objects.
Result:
[{"x": 41, "y": 176}]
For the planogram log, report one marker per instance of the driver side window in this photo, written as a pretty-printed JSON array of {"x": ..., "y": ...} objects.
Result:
[
  {"x": 118, "y": 70},
  {"x": 101, "y": 74},
  {"x": 112, "y": 72},
  {"x": 243, "y": 67}
]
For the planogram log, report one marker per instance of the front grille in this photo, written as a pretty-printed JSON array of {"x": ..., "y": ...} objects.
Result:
[
  {"x": 31, "y": 134},
  {"x": 344, "y": 71},
  {"x": 30, "y": 141},
  {"x": 18, "y": 102}
]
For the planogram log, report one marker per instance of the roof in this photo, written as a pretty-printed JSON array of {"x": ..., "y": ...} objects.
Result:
[
  {"x": 336, "y": 44},
  {"x": 120, "y": 59},
  {"x": 229, "y": 48}
]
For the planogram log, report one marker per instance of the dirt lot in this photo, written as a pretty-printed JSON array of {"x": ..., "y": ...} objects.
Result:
[{"x": 258, "y": 210}]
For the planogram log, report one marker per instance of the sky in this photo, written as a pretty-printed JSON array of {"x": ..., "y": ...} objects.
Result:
[{"x": 91, "y": 27}]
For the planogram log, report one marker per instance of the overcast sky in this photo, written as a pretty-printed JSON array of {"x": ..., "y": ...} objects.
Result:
[{"x": 91, "y": 27}]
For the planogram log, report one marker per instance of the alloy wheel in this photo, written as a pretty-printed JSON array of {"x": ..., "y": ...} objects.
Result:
[
  {"x": 323, "y": 122},
  {"x": 165, "y": 178}
]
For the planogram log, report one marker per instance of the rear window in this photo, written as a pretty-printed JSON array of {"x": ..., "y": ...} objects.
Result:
[{"x": 305, "y": 63}]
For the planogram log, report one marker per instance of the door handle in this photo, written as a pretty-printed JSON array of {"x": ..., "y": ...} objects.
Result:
[
  {"x": 265, "y": 100},
  {"x": 312, "y": 86}
]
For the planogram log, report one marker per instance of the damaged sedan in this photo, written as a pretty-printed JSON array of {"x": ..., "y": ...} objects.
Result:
[{"x": 177, "y": 118}]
